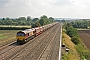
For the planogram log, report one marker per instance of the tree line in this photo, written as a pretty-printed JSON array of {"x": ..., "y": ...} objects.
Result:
[
  {"x": 81, "y": 24},
  {"x": 35, "y": 22}
]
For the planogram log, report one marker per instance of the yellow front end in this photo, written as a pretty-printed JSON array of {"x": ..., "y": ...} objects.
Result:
[{"x": 20, "y": 37}]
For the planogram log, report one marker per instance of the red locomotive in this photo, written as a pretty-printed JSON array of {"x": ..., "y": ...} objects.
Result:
[{"x": 26, "y": 35}]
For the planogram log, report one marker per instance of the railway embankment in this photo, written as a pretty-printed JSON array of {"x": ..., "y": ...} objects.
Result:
[
  {"x": 82, "y": 51},
  {"x": 72, "y": 53}
]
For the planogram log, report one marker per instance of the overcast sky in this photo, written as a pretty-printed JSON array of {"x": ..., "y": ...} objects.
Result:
[{"x": 37, "y": 8}]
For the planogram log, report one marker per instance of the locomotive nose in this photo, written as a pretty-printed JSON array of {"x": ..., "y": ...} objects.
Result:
[{"x": 20, "y": 38}]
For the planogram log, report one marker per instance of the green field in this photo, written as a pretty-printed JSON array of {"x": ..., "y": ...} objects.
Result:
[
  {"x": 7, "y": 36},
  {"x": 10, "y": 27},
  {"x": 14, "y": 26}
]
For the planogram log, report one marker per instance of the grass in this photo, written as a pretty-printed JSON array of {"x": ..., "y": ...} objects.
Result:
[
  {"x": 83, "y": 51},
  {"x": 77, "y": 52},
  {"x": 7, "y": 36},
  {"x": 72, "y": 55},
  {"x": 13, "y": 26},
  {"x": 3, "y": 37},
  {"x": 83, "y": 28},
  {"x": 68, "y": 42}
]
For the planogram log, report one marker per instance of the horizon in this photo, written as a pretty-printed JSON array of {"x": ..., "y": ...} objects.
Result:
[{"x": 45, "y": 15}]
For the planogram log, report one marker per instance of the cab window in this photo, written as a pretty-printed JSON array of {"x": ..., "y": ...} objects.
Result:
[
  {"x": 22, "y": 35},
  {"x": 18, "y": 34}
]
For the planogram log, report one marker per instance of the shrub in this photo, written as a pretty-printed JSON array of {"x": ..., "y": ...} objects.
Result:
[
  {"x": 75, "y": 40},
  {"x": 72, "y": 31}
]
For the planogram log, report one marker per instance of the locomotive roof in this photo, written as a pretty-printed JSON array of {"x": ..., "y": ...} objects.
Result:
[
  {"x": 40, "y": 27},
  {"x": 27, "y": 31},
  {"x": 37, "y": 28}
]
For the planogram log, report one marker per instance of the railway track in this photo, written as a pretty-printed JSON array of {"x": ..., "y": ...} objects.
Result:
[
  {"x": 51, "y": 50},
  {"x": 6, "y": 45},
  {"x": 11, "y": 51},
  {"x": 32, "y": 47},
  {"x": 43, "y": 49}
]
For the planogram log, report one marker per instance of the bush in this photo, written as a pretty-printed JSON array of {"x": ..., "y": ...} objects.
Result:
[
  {"x": 72, "y": 31},
  {"x": 83, "y": 51},
  {"x": 75, "y": 40}
]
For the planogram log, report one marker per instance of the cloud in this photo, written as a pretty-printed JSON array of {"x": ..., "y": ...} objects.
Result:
[
  {"x": 29, "y": 3},
  {"x": 79, "y": 4},
  {"x": 36, "y": 8},
  {"x": 62, "y": 2},
  {"x": 3, "y": 3}
]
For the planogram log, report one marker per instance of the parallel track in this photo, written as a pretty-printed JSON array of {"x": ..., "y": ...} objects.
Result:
[
  {"x": 33, "y": 46},
  {"x": 46, "y": 49},
  {"x": 14, "y": 51}
]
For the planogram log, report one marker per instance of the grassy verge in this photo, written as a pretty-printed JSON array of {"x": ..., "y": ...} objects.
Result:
[
  {"x": 83, "y": 51},
  {"x": 77, "y": 51},
  {"x": 72, "y": 55}
]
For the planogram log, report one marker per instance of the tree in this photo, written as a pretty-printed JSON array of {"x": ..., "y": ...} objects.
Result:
[
  {"x": 67, "y": 25},
  {"x": 33, "y": 25},
  {"x": 29, "y": 20},
  {"x": 22, "y": 18},
  {"x": 63, "y": 21},
  {"x": 35, "y": 19},
  {"x": 44, "y": 17},
  {"x": 37, "y": 24},
  {"x": 1, "y": 22},
  {"x": 75, "y": 40},
  {"x": 7, "y": 18},
  {"x": 51, "y": 19},
  {"x": 44, "y": 20},
  {"x": 3, "y": 19},
  {"x": 80, "y": 24},
  {"x": 72, "y": 31}
]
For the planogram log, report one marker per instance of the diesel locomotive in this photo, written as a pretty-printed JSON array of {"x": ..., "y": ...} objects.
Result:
[{"x": 28, "y": 34}]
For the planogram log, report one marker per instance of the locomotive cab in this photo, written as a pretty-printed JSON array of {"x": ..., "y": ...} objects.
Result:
[
  {"x": 20, "y": 37},
  {"x": 25, "y": 35}
]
